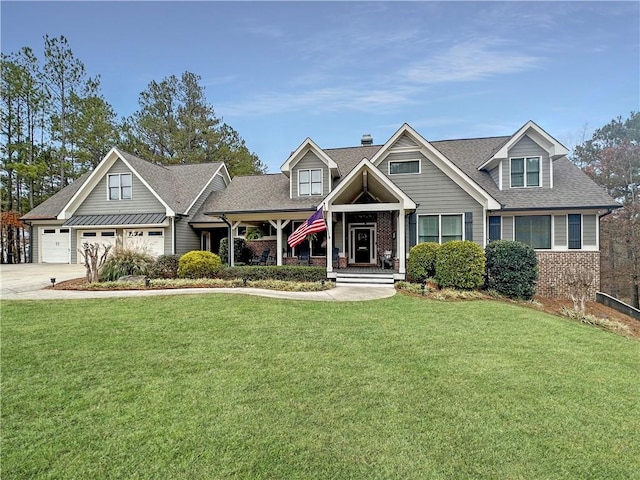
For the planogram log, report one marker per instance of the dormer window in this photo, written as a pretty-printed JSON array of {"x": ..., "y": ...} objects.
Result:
[
  {"x": 525, "y": 172},
  {"x": 310, "y": 182},
  {"x": 119, "y": 186}
]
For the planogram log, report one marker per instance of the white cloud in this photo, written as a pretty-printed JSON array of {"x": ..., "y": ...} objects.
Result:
[{"x": 470, "y": 61}]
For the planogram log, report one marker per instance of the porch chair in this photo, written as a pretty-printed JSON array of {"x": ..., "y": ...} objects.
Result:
[{"x": 260, "y": 259}]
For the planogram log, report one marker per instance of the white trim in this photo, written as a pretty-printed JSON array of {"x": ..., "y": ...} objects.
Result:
[
  {"x": 500, "y": 180},
  {"x": 57, "y": 229},
  {"x": 94, "y": 179},
  {"x": 308, "y": 146},
  {"x": 410, "y": 160},
  {"x": 222, "y": 169},
  {"x": 404, "y": 202},
  {"x": 553, "y": 147},
  {"x": 373, "y": 240},
  {"x": 439, "y": 215},
  {"x": 550, "y": 172},
  {"x": 441, "y": 162},
  {"x": 524, "y": 172},
  {"x": 120, "y": 196},
  {"x": 311, "y": 170}
]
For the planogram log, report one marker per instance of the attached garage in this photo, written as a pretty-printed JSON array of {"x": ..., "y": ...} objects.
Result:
[
  {"x": 150, "y": 240},
  {"x": 55, "y": 244},
  {"x": 103, "y": 237}
]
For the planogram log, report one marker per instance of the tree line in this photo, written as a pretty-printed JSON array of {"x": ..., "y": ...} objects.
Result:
[{"x": 56, "y": 125}]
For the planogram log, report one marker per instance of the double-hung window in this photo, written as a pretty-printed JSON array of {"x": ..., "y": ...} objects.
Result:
[
  {"x": 534, "y": 230},
  {"x": 525, "y": 172},
  {"x": 310, "y": 182},
  {"x": 439, "y": 228},
  {"x": 119, "y": 186}
]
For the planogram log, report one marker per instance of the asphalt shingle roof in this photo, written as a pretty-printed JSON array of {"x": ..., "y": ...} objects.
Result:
[{"x": 52, "y": 206}]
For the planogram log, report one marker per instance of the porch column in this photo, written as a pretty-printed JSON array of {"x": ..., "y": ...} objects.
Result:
[
  {"x": 402, "y": 256},
  {"x": 232, "y": 244},
  {"x": 329, "y": 249},
  {"x": 279, "y": 225}
]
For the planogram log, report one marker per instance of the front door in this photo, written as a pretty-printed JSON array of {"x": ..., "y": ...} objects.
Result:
[{"x": 362, "y": 245}]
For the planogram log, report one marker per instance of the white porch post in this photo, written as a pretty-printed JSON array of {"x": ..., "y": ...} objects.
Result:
[
  {"x": 232, "y": 244},
  {"x": 279, "y": 225},
  {"x": 329, "y": 251},
  {"x": 401, "y": 241}
]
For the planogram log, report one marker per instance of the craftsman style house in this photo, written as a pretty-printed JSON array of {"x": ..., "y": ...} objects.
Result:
[{"x": 378, "y": 201}]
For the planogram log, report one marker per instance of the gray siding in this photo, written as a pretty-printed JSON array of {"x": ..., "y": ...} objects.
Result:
[
  {"x": 528, "y": 148},
  {"x": 310, "y": 161},
  {"x": 404, "y": 142},
  {"x": 560, "y": 230},
  {"x": 186, "y": 238},
  {"x": 507, "y": 228},
  {"x": 589, "y": 230},
  {"x": 495, "y": 175},
  {"x": 435, "y": 192},
  {"x": 143, "y": 200}
]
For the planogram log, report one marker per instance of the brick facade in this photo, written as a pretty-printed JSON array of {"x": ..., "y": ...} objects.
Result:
[{"x": 553, "y": 268}]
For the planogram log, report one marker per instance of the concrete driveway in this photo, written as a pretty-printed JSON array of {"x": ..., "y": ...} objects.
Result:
[
  {"x": 29, "y": 277},
  {"x": 27, "y": 281}
]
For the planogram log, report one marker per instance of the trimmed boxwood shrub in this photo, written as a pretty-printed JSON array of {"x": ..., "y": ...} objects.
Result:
[
  {"x": 512, "y": 269},
  {"x": 199, "y": 264},
  {"x": 422, "y": 261},
  {"x": 165, "y": 266},
  {"x": 241, "y": 253},
  {"x": 275, "y": 272},
  {"x": 125, "y": 262},
  {"x": 460, "y": 264}
]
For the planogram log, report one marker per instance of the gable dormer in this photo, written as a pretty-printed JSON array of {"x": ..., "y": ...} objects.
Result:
[
  {"x": 310, "y": 170},
  {"x": 525, "y": 160}
]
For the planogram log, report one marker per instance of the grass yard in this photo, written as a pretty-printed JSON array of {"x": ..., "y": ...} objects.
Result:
[{"x": 217, "y": 386}]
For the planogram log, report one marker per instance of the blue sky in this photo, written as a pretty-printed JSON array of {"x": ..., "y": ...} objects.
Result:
[{"x": 279, "y": 72}]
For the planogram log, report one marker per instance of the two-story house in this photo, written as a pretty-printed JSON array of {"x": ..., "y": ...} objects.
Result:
[{"x": 380, "y": 198}]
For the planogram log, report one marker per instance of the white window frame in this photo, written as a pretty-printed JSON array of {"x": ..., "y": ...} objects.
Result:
[
  {"x": 524, "y": 180},
  {"x": 119, "y": 186},
  {"x": 411, "y": 160},
  {"x": 440, "y": 215},
  {"x": 311, "y": 182}
]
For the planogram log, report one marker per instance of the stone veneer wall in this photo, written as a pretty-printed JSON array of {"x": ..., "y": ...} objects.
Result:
[{"x": 553, "y": 268}]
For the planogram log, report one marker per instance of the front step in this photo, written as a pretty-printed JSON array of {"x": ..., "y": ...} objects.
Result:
[{"x": 364, "y": 278}]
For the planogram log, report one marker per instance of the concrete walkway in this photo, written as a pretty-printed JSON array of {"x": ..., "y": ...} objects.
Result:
[{"x": 28, "y": 281}]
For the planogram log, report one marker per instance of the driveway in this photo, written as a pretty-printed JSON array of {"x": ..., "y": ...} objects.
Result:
[{"x": 27, "y": 281}]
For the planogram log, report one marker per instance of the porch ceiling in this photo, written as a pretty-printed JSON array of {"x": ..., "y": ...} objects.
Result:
[{"x": 375, "y": 188}]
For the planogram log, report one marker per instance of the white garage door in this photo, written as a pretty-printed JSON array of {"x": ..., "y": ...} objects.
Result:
[
  {"x": 150, "y": 241},
  {"x": 54, "y": 245},
  {"x": 104, "y": 237}
]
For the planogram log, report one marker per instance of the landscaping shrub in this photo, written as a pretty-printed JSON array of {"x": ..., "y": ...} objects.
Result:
[
  {"x": 275, "y": 272},
  {"x": 512, "y": 269},
  {"x": 422, "y": 261},
  {"x": 165, "y": 266},
  {"x": 125, "y": 262},
  {"x": 199, "y": 264},
  {"x": 241, "y": 253},
  {"x": 460, "y": 264}
]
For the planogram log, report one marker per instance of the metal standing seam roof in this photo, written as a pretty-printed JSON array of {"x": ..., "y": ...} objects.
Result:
[{"x": 117, "y": 219}]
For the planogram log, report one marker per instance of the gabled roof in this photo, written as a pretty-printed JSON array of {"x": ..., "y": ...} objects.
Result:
[
  {"x": 51, "y": 207},
  {"x": 448, "y": 167},
  {"x": 308, "y": 146},
  {"x": 175, "y": 186},
  {"x": 532, "y": 130}
]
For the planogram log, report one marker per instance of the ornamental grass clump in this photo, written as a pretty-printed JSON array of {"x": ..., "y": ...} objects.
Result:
[
  {"x": 422, "y": 261},
  {"x": 125, "y": 262},
  {"x": 512, "y": 269},
  {"x": 199, "y": 264},
  {"x": 460, "y": 264}
]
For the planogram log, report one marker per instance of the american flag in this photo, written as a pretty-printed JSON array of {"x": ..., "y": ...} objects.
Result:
[{"x": 315, "y": 223}]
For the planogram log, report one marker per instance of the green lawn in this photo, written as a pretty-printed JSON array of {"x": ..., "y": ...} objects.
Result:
[{"x": 217, "y": 386}]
